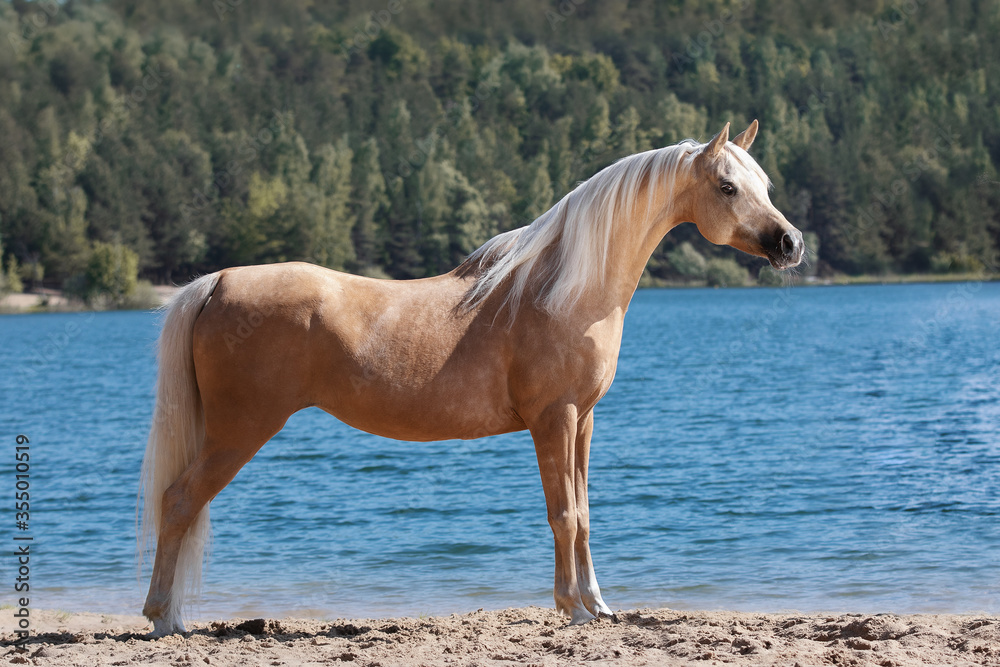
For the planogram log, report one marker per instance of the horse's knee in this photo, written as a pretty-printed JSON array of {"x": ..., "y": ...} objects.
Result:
[
  {"x": 175, "y": 504},
  {"x": 177, "y": 509},
  {"x": 578, "y": 521},
  {"x": 563, "y": 524}
]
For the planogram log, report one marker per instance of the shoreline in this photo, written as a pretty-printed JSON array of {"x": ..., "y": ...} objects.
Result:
[
  {"x": 837, "y": 281},
  {"x": 53, "y": 301},
  {"x": 526, "y": 635}
]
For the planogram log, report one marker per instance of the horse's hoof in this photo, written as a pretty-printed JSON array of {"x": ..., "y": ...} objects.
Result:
[
  {"x": 164, "y": 628},
  {"x": 581, "y": 616},
  {"x": 600, "y": 609},
  {"x": 609, "y": 614}
]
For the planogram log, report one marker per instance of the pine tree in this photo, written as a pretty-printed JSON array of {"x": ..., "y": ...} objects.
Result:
[
  {"x": 368, "y": 203},
  {"x": 330, "y": 242}
]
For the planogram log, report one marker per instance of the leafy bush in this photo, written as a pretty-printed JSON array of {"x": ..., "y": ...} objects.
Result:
[
  {"x": 144, "y": 297},
  {"x": 111, "y": 275},
  {"x": 6, "y": 284},
  {"x": 725, "y": 272},
  {"x": 769, "y": 277},
  {"x": 12, "y": 279},
  {"x": 955, "y": 262},
  {"x": 687, "y": 261}
]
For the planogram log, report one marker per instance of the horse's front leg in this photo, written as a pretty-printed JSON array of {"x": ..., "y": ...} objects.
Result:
[
  {"x": 555, "y": 436},
  {"x": 589, "y": 590}
]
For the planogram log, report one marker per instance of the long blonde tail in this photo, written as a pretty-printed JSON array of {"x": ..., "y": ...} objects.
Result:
[{"x": 176, "y": 435}]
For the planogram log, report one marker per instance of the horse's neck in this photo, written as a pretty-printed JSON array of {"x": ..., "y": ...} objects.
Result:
[{"x": 631, "y": 248}]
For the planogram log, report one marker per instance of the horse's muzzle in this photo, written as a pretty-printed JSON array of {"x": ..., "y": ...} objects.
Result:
[{"x": 785, "y": 249}]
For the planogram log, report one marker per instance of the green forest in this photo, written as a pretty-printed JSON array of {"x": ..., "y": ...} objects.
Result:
[{"x": 391, "y": 138}]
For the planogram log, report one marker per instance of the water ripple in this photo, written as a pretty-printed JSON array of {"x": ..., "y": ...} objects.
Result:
[{"x": 819, "y": 449}]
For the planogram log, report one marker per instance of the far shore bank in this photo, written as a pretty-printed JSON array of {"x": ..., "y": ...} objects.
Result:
[
  {"x": 814, "y": 281},
  {"x": 518, "y": 636},
  {"x": 54, "y": 301}
]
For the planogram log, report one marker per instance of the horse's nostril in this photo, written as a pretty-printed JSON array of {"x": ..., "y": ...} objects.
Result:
[{"x": 787, "y": 245}]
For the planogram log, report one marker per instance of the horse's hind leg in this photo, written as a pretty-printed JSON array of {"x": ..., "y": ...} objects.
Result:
[
  {"x": 226, "y": 450},
  {"x": 589, "y": 590}
]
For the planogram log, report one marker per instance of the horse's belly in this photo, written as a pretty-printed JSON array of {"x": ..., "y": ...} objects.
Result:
[{"x": 434, "y": 418}]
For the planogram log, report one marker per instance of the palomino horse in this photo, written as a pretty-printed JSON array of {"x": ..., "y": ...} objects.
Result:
[{"x": 523, "y": 335}]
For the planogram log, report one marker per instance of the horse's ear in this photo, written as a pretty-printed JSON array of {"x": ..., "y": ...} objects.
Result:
[
  {"x": 714, "y": 147},
  {"x": 746, "y": 137}
]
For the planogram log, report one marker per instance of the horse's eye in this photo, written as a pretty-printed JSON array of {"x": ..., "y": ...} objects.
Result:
[{"x": 728, "y": 189}]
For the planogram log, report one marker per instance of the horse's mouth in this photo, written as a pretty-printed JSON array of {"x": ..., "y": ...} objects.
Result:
[
  {"x": 788, "y": 254},
  {"x": 781, "y": 263}
]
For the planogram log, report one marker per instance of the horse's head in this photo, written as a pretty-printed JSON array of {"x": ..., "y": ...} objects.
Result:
[{"x": 728, "y": 201}]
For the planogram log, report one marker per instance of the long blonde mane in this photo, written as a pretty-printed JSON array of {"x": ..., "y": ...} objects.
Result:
[{"x": 566, "y": 248}]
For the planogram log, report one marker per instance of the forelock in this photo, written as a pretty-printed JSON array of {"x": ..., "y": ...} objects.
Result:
[{"x": 744, "y": 160}]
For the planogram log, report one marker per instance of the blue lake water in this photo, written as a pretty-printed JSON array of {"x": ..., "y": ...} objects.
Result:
[{"x": 816, "y": 449}]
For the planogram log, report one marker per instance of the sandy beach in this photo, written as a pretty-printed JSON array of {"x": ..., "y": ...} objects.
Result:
[{"x": 522, "y": 636}]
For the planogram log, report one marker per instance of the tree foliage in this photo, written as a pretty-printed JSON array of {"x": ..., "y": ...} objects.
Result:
[
  {"x": 395, "y": 138},
  {"x": 110, "y": 276},
  {"x": 725, "y": 272}
]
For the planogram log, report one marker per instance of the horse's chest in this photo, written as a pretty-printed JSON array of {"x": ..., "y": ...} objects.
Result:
[
  {"x": 577, "y": 368},
  {"x": 600, "y": 379},
  {"x": 601, "y": 359}
]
